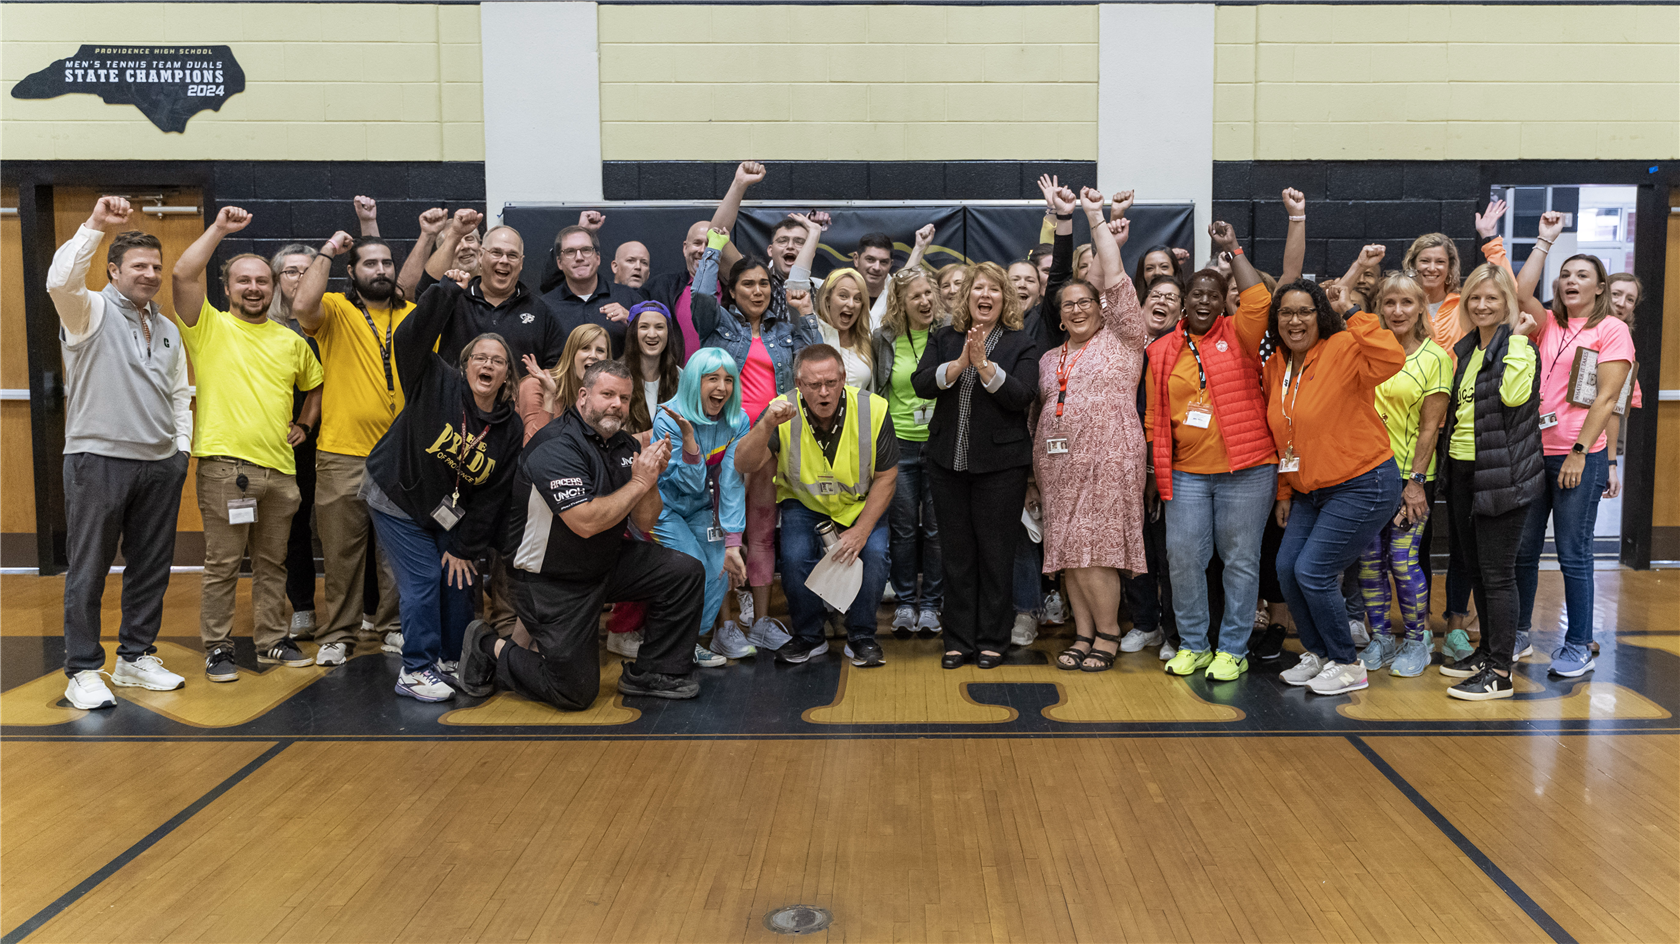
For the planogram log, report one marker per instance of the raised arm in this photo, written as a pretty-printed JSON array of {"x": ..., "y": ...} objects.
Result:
[
  {"x": 1370, "y": 258},
  {"x": 367, "y": 215},
  {"x": 747, "y": 173},
  {"x": 752, "y": 453},
  {"x": 415, "y": 340},
  {"x": 1225, "y": 240},
  {"x": 414, "y": 265},
  {"x": 1295, "y": 242},
  {"x": 306, "y": 305},
  {"x": 799, "y": 274},
  {"x": 443, "y": 258},
  {"x": 1528, "y": 280},
  {"x": 67, "y": 276},
  {"x": 187, "y": 278},
  {"x": 1109, "y": 269}
]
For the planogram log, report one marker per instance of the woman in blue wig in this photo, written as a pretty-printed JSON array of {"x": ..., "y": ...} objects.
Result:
[{"x": 705, "y": 500}]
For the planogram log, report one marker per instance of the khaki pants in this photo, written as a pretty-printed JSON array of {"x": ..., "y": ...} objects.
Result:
[
  {"x": 341, "y": 521},
  {"x": 225, "y": 545}
]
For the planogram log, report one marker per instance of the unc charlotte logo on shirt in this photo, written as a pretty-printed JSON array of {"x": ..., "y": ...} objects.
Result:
[
  {"x": 566, "y": 489},
  {"x": 448, "y": 448}
]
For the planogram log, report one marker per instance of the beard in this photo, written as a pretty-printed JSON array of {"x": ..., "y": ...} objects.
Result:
[
  {"x": 605, "y": 423},
  {"x": 380, "y": 289}
]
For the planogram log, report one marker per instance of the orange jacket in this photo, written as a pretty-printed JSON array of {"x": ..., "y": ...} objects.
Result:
[{"x": 1329, "y": 413}]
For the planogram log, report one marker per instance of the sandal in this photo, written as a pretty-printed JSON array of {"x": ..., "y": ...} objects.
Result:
[
  {"x": 1105, "y": 660},
  {"x": 1075, "y": 653}
]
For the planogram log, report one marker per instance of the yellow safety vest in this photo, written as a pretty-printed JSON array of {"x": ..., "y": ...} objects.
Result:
[{"x": 839, "y": 489}]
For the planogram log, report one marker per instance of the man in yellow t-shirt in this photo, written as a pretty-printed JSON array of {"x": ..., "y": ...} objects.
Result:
[
  {"x": 246, "y": 367},
  {"x": 353, "y": 330}
]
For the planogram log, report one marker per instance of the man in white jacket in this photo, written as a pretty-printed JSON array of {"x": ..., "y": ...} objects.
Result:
[{"x": 127, "y": 432}]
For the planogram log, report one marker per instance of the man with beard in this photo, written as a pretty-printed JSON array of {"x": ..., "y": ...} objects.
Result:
[
  {"x": 127, "y": 429},
  {"x": 580, "y": 480},
  {"x": 354, "y": 330},
  {"x": 495, "y": 300},
  {"x": 247, "y": 367}
]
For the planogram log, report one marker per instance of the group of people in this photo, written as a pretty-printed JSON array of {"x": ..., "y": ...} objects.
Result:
[{"x": 489, "y": 467}]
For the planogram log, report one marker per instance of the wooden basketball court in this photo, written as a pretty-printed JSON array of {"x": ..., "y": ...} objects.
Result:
[{"x": 909, "y": 803}]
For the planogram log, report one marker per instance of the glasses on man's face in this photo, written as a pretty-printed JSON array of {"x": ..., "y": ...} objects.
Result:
[
  {"x": 494, "y": 360},
  {"x": 293, "y": 272},
  {"x": 823, "y": 386},
  {"x": 578, "y": 252},
  {"x": 1079, "y": 304},
  {"x": 507, "y": 254}
]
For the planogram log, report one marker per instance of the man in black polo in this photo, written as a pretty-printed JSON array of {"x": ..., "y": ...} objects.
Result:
[
  {"x": 495, "y": 300},
  {"x": 584, "y": 295},
  {"x": 580, "y": 479}
]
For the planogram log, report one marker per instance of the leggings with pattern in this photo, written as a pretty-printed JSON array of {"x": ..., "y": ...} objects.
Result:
[{"x": 1395, "y": 553}]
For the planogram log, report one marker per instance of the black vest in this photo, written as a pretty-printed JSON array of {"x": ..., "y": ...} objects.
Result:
[{"x": 1510, "y": 465}]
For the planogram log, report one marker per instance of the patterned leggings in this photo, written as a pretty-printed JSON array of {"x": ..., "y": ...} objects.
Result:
[{"x": 1395, "y": 553}]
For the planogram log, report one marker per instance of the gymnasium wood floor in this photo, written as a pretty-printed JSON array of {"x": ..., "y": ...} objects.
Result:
[{"x": 1022, "y": 804}]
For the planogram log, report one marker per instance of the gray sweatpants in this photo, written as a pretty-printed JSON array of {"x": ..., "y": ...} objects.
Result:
[{"x": 108, "y": 502}]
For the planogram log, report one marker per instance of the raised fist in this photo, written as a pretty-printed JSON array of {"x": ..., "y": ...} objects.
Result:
[
  {"x": 232, "y": 220},
  {"x": 466, "y": 220},
  {"x": 777, "y": 413},
  {"x": 592, "y": 220},
  {"x": 924, "y": 236},
  {"x": 340, "y": 242},
  {"x": 749, "y": 173},
  {"x": 1294, "y": 202},
  {"x": 433, "y": 221},
  {"x": 366, "y": 209},
  {"x": 459, "y": 277},
  {"x": 110, "y": 213},
  {"x": 1123, "y": 202}
]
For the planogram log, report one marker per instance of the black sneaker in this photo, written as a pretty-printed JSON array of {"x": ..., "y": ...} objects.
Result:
[
  {"x": 796, "y": 652},
  {"x": 1468, "y": 667},
  {"x": 476, "y": 674},
  {"x": 219, "y": 667},
  {"x": 657, "y": 684},
  {"x": 865, "y": 653},
  {"x": 1486, "y": 684},
  {"x": 284, "y": 652},
  {"x": 1268, "y": 646}
]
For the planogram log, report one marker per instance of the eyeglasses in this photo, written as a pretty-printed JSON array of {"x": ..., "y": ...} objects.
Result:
[
  {"x": 293, "y": 272},
  {"x": 822, "y": 387},
  {"x": 1161, "y": 296},
  {"x": 1079, "y": 304},
  {"x": 494, "y": 360},
  {"x": 508, "y": 254},
  {"x": 577, "y": 253},
  {"x": 1297, "y": 314}
]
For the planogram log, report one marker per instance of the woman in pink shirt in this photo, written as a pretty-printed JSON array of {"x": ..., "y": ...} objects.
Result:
[{"x": 1572, "y": 424}]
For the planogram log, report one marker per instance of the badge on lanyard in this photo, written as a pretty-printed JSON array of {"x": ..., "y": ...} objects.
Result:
[
  {"x": 448, "y": 512},
  {"x": 923, "y": 415},
  {"x": 714, "y": 534},
  {"x": 1548, "y": 420},
  {"x": 242, "y": 511},
  {"x": 1289, "y": 461},
  {"x": 1198, "y": 416},
  {"x": 826, "y": 485},
  {"x": 1057, "y": 446}
]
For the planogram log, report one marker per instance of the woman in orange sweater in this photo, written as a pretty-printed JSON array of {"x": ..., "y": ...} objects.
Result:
[{"x": 1338, "y": 483}]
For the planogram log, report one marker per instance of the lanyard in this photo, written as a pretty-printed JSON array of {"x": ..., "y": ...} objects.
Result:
[
  {"x": 385, "y": 352},
  {"x": 1561, "y": 348},
  {"x": 1289, "y": 408},
  {"x": 1064, "y": 370},
  {"x": 468, "y": 444},
  {"x": 910, "y": 339},
  {"x": 1201, "y": 372}
]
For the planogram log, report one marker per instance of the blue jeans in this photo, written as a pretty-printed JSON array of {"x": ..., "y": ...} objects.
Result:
[
  {"x": 1029, "y": 573},
  {"x": 801, "y": 549},
  {"x": 1228, "y": 511},
  {"x": 1328, "y": 528},
  {"x": 688, "y": 535},
  {"x": 1574, "y": 512},
  {"x": 434, "y": 615},
  {"x": 915, "y": 532}
]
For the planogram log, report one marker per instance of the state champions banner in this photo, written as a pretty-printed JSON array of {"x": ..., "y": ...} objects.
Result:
[{"x": 982, "y": 231}]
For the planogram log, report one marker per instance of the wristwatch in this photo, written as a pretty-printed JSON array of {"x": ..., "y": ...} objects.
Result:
[
  {"x": 1418, "y": 477},
  {"x": 1578, "y": 448}
]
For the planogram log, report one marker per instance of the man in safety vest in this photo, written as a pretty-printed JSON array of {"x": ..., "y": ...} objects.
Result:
[{"x": 836, "y": 461}]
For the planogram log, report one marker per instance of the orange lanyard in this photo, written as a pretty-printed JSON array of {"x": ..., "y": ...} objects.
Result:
[{"x": 1064, "y": 370}]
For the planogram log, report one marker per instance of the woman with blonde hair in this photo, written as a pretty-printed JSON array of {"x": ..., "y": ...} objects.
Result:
[
  {"x": 545, "y": 394},
  {"x": 981, "y": 371},
  {"x": 843, "y": 317}
]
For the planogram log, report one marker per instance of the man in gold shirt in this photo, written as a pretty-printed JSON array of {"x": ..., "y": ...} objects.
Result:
[
  {"x": 246, "y": 367},
  {"x": 353, "y": 330}
]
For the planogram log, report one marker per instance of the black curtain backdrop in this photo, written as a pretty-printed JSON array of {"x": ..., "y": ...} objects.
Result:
[{"x": 965, "y": 232}]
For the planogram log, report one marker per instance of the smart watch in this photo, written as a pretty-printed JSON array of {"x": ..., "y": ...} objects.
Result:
[{"x": 1418, "y": 477}]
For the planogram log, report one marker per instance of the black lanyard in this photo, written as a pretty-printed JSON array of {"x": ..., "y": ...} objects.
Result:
[
  {"x": 1561, "y": 348},
  {"x": 385, "y": 352},
  {"x": 467, "y": 446},
  {"x": 1201, "y": 372},
  {"x": 910, "y": 339}
]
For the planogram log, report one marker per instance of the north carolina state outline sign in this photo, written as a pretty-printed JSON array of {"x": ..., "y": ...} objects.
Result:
[{"x": 169, "y": 84}]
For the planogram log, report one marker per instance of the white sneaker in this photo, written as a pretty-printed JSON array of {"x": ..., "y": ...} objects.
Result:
[
  {"x": 330, "y": 654},
  {"x": 424, "y": 685},
  {"x": 728, "y": 640},
  {"x": 1361, "y": 635},
  {"x": 744, "y": 602},
  {"x": 87, "y": 691},
  {"x": 628, "y": 645},
  {"x": 1304, "y": 671},
  {"x": 447, "y": 667},
  {"x": 1168, "y": 650},
  {"x": 1024, "y": 631},
  {"x": 393, "y": 643},
  {"x": 367, "y": 625},
  {"x": 1137, "y": 640},
  {"x": 146, "y": 672},
  {"x": 888, "y": 594},
  {"x": 1055, "y": 611},
  {"x": 904, "y": 619},
  {"x": 303, "y": 624},
  {"x": 769, "y": 634},
  {"x": 1339, "y": 678}
]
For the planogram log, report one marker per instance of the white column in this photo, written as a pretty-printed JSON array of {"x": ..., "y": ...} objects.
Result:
[
  {"x": 542, "y": 102},
  {"x": 1155, "y": 105}
]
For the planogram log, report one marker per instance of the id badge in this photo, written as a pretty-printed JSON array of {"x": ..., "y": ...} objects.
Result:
[
  {"x": 1057, "y": 446},
  {"x": 242, "y": 511},
  {"x": 1289, "y": 461},
  {"x": 714, "y": 534},
  {"x": 826, "y": 485},
  {"x": 1198, "y": 416},
  {"x": 923, "y": 415},
  {"x": 448, "y": 513},
  {"x": 1548, "y": 420}
]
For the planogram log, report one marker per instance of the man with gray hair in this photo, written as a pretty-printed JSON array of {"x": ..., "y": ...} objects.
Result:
[{"x": 128, "y": 427}]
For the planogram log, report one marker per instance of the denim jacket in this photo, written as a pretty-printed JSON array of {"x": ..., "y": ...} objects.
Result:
[{"x": 727, "y": 328}]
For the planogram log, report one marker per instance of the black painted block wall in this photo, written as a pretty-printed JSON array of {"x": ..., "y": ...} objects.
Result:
[{"x": 842, "y": 180}]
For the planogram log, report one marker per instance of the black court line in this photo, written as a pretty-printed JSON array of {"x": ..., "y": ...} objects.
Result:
[
  {"x": 1506, "y": 884},
  {"x": 128, "y": 855}
]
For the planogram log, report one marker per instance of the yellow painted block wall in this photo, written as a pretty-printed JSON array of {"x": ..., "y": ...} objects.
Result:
[
  {"x": 848, "y": 82},
  {"x": 1446, "y": 82},
  {"x": 339, "y": 81}
]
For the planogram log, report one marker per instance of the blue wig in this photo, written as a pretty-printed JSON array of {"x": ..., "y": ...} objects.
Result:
[{"x": 687, "y": 401}]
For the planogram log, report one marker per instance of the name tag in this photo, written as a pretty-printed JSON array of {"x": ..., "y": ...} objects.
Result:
[
  {"x": 714, "y": 534},
  {"x": 826, "y": 485},
  {"x": 1548, "y": 420},
  {"x": 448, "y": 513},
  {"x": 242, "y": 511},
  {"x": 1289, "y": 464},
  {"x": 1198, "y": 416},
  {"x": 1057, "y": 446},
  {"x": 923, "y": 415}
]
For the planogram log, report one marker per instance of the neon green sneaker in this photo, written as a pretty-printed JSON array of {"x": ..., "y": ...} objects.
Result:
[
  {"x": 1226, "y": 668},
  {"x": 1187, "y": 662}
]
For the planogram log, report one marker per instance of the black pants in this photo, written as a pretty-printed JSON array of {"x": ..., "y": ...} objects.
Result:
[
  {"x": 300, "y": 543},
  {"x": 979, "y": 524},
  {"x": 1489, "y": 546},
  {"x": 108, "y": 502},
  {"x": 1149, "y": 595},
  {"x": 564, "y": 620}
]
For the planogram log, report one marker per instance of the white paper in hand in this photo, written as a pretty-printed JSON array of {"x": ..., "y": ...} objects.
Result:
[{"x": 837, "y": 584}]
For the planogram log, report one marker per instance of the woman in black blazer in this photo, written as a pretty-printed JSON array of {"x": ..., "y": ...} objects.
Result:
[{"x": 982, "y": 372}]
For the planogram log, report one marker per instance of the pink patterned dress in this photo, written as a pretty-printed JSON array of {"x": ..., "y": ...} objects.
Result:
[{"x": 1093, "y": 494}]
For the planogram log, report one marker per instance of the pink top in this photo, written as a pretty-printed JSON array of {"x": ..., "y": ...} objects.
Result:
[
  {"x": 685, "y": 320},
  {"x": 758, "y": 380},
  {"x": 1557, "y": 346}
]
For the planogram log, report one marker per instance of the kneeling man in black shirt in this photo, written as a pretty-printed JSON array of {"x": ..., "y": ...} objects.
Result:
[{"x": 580, "y": 480}]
